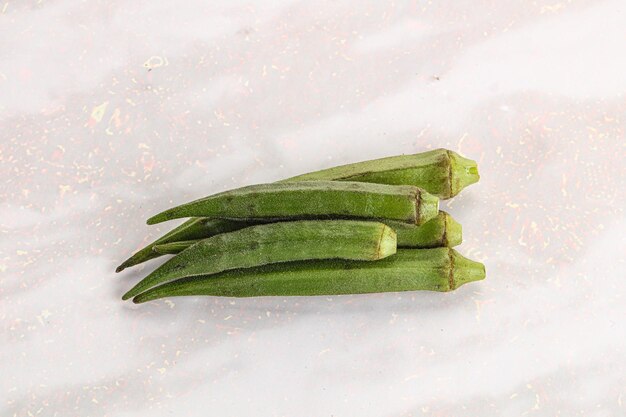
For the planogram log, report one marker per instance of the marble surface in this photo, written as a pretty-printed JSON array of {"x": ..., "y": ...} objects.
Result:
[{"x": 113, "y": 110}]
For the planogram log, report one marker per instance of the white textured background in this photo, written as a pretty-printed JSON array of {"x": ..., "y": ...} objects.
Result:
[{"x": 113, "y": 110}]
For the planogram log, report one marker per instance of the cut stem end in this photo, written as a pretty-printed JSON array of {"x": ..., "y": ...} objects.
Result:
[{"x": 388, "y": 244}]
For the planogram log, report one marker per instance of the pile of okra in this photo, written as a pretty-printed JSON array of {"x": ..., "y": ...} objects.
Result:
[{"x": 368, "y": 227}]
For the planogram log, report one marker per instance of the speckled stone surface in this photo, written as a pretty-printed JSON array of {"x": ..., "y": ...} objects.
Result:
[{"x": 111, "y": 111}]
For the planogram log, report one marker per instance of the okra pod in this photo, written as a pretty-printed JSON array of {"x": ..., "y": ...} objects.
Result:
[
  {"x": 440, "y": 269},
  {"x": 441, "y": 231},
  {"x": 276, "y": 242},
  {"x": 312, "y": 200},
  {"x": 440, "y": 172}
]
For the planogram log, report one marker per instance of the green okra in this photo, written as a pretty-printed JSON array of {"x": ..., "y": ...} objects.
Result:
[
  {"x": 195, "y": 228},
  {"x": 276, "y": 242},
  {"x": 312, "y": 200},
  {"x": 440, "y": 231},
  {"x": 440, "y": 172},
  {"x": 440, "y": 269}
]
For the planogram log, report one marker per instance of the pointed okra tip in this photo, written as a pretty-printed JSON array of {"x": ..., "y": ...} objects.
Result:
[
  {"x": 132, "y": 261},
  {"x": 127, "y": 296},
  {"x": 158, "y": 218},
  {"x": 169, "y": 214},
  {"x": 463, "y": 172},
  {"x": 464, "y": 270},
  {"x": 145, "y": 297},
  {"x": 138, "y": 300}
]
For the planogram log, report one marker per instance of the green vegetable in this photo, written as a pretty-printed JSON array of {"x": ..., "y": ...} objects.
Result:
[
  {"x": 276, "y": 242},
  {"x": 440, "y": 269},
  {"x": 195, "y": 228},
  {"x": 441, "y": 172},
  {"x": 441, "y": 231},
  {"x": 312, "y": 200}
]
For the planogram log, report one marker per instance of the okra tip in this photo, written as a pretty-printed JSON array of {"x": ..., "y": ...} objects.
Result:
[
  {"x": 128, "y": 295},
  {"x": 139, "y": 257},
  {"x": 150, "y": 295},
  {"x": 158, "y": 218},
  {"x": 142, "y": 298},
  {"x": 463, "y": 172},
  {"x": 132, "y": 261}
]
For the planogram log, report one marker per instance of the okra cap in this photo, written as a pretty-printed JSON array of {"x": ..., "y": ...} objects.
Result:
[
  {"x": 464, "y": 270},
  {"x": 463, "y": 172}
]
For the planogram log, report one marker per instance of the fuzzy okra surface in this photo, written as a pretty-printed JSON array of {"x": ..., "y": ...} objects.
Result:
[
  {"x": 441, "y": 172},
  {"x": 440, "y": 269},
  {"x": 312, "y": 200},
  {"x": 441, "y": 231},
  {"x": 274, "y": 243}
]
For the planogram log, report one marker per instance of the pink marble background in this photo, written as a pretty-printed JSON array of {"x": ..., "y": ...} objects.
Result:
[{"x": 111, "y": 111}]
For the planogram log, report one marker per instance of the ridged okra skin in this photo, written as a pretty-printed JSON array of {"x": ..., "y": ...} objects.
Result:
[
  {"x": 195, "y": 228},
  {"x": 440, "y": 269},
  {"x": 441, "y": 172},
  {"x": 273, "y": 243},
  {"x": 173, "y": 248},
  {"x": 312, "y": 200},
  {"x": 441, "y": 231}
]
